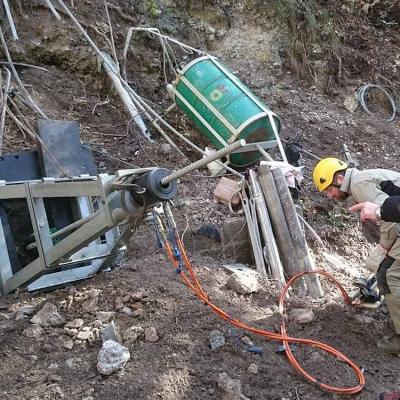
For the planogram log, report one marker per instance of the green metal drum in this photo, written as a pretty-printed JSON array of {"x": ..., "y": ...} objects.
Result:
[{"x": 223, "y": 108}]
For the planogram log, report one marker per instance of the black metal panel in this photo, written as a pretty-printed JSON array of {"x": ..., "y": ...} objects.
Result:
[
  {"x": 62, "y": 139},
  {"x": 12, "y": 253},
  {"x": 22, "y": 166}
]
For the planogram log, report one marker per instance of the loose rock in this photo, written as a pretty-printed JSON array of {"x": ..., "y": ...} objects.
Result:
[
  {"x": 132, "y": 334},
  {"x": 24, "y": 312},
  {"x": 139, "y": 294},
  {"x": 138, "y": 313},
  {"x": 232, "y": 387},
  {"x": 253, "y": 368},
  {"x": 76, "y": 323},
  {"x": 92, "y": 298},
  {"x": 150, "y": 334},
  {"x": 350, "y": 103},
  {"x": 247, "y": 341},
  {"x": 33, "y": 331},
  {"x": 68, "y": 344},
  {"x": 244, "y": 282},
  {"x": 119, "y": 303},
  {"x": 216, "y": 340},
  {"x": 112, "y": 357},
  {"x": 85, "y": 335},
  {"x": 126, "y": 310},
  {"x": 105, "y": 316},
  {"x": 48, "y": 316},
  {"x": 73, "y": 362},
  {"x": 302, "y": 315}
]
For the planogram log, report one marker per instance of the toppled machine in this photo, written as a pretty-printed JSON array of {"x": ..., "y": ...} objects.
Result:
[{"x": 60, "y": 221}]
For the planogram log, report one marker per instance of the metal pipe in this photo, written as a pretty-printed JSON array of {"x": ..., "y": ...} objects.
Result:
[
  {"x": 311, "y": 229},
  {"x": 175, "y": 132},
  {"x": 111, "y": 70},
  {"x": 203, "y": 162},
  {"x": 264, "y": 153},
  {"x": 257, "y": 251},
  {"x": 71, "y": 227}
]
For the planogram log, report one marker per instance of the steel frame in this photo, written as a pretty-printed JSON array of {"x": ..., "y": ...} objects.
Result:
[{"x": 81, "y": 244}]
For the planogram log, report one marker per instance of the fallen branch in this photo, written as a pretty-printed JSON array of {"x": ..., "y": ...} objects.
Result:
[
  {"x": 24, "y": 65},
  {"x": 16, "y": 76},
  {"x": 4, "y": 106},
  {"x": 10, "y": 19}
]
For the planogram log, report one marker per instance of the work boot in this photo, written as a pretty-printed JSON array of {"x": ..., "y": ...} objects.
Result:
[{"x": 390, "y": 344}]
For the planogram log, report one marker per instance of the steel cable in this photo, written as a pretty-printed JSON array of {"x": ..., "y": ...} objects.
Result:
[{"x": 363, "y": 100}]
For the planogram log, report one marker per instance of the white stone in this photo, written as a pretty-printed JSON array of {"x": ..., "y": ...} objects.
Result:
[
  {"x": 253, "y": 368},
  {"x": 68, "y": 344},
  {"x": 133, "y": 333},
  {"x": 112, "y": 357},
  {"x": 33, "y": 331},
  {"x": 150, "y": 334},
  {"x": 105, "y": 316},
  {"x": 75, "y": 323},
  {"x": 126, "y": 310},
  {"x": 73, "y": 362},
  {"x": 85, "y": 335},
  {"x": 350, "y": 103},
  {"x": 244, "y": 282},
  {"x": 48, "y": 316}
]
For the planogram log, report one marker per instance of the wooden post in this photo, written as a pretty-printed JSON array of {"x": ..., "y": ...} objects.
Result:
[
  {"x": 278, "y": 219},
  {"x": 266, "y": 229},
  {"x": 296, "y": 233}
]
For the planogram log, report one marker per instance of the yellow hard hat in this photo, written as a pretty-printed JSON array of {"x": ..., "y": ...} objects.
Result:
[{"x": 325, "y": 170}]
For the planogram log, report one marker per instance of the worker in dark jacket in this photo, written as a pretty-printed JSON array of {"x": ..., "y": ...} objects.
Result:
[
  {"x": 337, "y": 181},
  {"x": 389, "y": 211}
]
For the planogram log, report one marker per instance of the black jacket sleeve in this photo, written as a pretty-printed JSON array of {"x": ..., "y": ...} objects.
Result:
[{"x": 390, "y": 210}]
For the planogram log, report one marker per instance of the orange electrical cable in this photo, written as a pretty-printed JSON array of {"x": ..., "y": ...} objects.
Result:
[{"x": 195, "y": 286}]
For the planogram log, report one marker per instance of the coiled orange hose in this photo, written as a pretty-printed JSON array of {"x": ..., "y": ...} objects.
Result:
[{"x": 193, "y": 283}]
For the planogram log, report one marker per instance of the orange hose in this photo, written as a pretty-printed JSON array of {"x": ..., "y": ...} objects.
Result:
[{"x": 195, "y": 286}]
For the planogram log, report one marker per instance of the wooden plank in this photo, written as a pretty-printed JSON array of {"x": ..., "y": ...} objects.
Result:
[
  {"x": 296, "y": 233},
  {"x": 282, "y": 234}
]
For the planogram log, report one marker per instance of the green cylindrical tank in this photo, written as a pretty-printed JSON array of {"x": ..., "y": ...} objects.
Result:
[{"x": 223, "y": 108}]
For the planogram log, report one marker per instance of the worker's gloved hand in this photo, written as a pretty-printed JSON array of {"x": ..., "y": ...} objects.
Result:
[{"x": 375, "y": 259}]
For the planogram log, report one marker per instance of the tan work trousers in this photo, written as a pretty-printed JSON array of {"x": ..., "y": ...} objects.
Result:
[{"x": 393, "y": 298}]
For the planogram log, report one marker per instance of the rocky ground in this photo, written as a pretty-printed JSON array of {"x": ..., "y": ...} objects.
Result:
[{"x": 178, "y": 348}]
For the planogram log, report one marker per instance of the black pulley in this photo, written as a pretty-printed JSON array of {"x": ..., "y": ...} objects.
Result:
[{"x": 154, "y": 191}]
